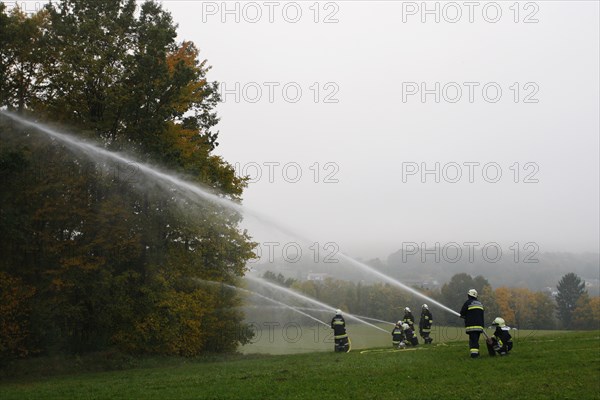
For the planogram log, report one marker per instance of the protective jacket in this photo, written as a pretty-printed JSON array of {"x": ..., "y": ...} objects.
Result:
[
  {"x": 338, "y": 324},
  {"x": 472, "y": 312},
  {"x": 409, "y": 318},
  {"x": 425, "y": 321},
  {"x": 411, "y": 338},
  {"x": 503, "y": 339},
  {"x": 397, "y": 335}
]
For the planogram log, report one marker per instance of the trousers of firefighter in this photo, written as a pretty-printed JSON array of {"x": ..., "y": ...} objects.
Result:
[{"x": 403, "y": 335}]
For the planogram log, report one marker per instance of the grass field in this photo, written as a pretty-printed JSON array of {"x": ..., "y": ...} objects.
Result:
[
  {"x": 563, "y": 365},
  {"x": 290, "y": 338}
]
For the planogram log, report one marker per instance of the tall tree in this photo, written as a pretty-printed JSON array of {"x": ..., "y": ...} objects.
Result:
[
  {"x": 112, "y": 256},
  {"x": 570, "y": 289},
  {"x": 455, "y": 291},
  {"x": 587, "y": 313},
  {"x": 23, "y": 41},
  {"x": 543, "y": 316}
]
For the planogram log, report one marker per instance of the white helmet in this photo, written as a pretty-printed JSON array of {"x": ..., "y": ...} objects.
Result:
[
  {"x": 472, "y": 293},
  {"x": 499, "y": 322},
  {"x": 425, "y": 306},
  {"x": 407, "y": 309},
  {"x": 399, "y": 323},
  {"x": 405, "y": 326},
  {"x": 338, "y": 312}
]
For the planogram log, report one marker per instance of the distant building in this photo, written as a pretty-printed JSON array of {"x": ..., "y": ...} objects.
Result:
[
  {"x": 317, "y": 276},
  {"x": 551, "y": 291},
  {"x": 428, "y": 284}
]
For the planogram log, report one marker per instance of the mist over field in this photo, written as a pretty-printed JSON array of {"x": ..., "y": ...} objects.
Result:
[{"x": 540, "y": 272}]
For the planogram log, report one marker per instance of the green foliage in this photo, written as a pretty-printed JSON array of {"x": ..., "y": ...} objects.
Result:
[
  {"x": 454, "y": 293},
  {"x": 380, "y": 300},
  {"x": 110, "y": 254},
  {"x": 520, "y": 307},
  {"x": 24, "y": 52},
  {"x": 279, "y": 279},
  {"x": 570, "y": 289},
  {"x": 542, "y": 314},
  {"x": 15, "y": 330},
  {"x": 587, "y": 313}
]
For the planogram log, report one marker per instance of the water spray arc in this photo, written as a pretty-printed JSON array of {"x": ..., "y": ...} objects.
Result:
[
  {"x": 356, "y": 315},
  {"x": 266, "y": 298},
  {"x": 148, "y": 170},
  {"x": 163, "y": 177},
  {"x": 396, "y": 283},
  {"x": 309, "y": 299},
  {"x": 375, "y": 319}
]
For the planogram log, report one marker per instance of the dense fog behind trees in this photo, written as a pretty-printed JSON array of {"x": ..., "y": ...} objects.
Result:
[{"x": 430, "y": 274}]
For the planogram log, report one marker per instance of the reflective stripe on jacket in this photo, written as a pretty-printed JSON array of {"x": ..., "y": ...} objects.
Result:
[{"x": 472, "y": 312}]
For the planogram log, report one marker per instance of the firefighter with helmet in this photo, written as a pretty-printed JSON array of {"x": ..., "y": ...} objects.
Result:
[
  {"x": 398, "y": 336},
  {"x": 338, "y": 324},
  {"x": 408, "y": 317},
  {"x": 425, "y": 324},
  {"x": 501, "y": 342},
  {"x": 409, "y": 334},
  {"x": 472, "y": 313}
]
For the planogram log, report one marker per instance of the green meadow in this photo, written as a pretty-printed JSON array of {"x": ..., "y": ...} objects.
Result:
[{"x": 543, "y": 365}]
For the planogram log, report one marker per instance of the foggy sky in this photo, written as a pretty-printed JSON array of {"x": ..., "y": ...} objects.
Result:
[{"x": 371, "y": 59}]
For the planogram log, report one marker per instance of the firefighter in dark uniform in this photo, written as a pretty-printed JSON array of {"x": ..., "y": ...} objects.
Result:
[
  {"x": 472, "y": 312},
  {"x": 425, "y": 324},
  {"x": 398, "y": 336},
  {"x": 409, "y": 334},
  {"x": 409, "y": 318},
  {"x": 501, "y": 342},
  {"x": 338, "y": 324}
]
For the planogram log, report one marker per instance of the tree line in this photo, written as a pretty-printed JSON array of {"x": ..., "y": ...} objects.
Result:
[
  {"x": 522, "y": 308},
  {"x": 94, "y": 253}
]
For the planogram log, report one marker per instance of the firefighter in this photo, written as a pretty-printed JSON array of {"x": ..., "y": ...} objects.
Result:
[
  {"x": 398, "y": 336},
  {"x": 501, "y": 342},
  {"x": 408, "y": 318},
  {"x": 409, "y": 334},
  {"x": 338, "y": 324},
  {"x": 472, "y": 312},
  {"x": 425, "y": 324}
]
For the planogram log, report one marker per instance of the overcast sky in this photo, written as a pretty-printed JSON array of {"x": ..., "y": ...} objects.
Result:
[{"x": 517, "y": 90}]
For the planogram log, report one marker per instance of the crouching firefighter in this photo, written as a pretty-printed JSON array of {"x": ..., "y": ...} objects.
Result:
[
  {"x": 501, "y": 342},
  {"x": 398, "y": 336},
  {"x": 410, "y": 335},
  {"x": 425, "y": 324},
  {"x": 338, "y": 324}
]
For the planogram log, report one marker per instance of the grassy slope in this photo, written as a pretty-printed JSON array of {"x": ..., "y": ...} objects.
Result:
[{"x": 560, "y": 366}]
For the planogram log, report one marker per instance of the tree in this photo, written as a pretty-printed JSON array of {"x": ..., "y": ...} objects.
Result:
[
  {"x": 505, "y": 309},
  {"x": 543, "y": 311},
  {"x": 24, "y": 52},
  {"x": 278, "y": 279},
  {"x": 570, "y": 289},
  {"x": 454, "y": 293},
  {"x": 587, "y": 312},
  {"x": 488, "y": 297},
  {"x": 113, "y": 257},
  {"x": 522, "y": 308},
  {"x": 15, "y": 330}
]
